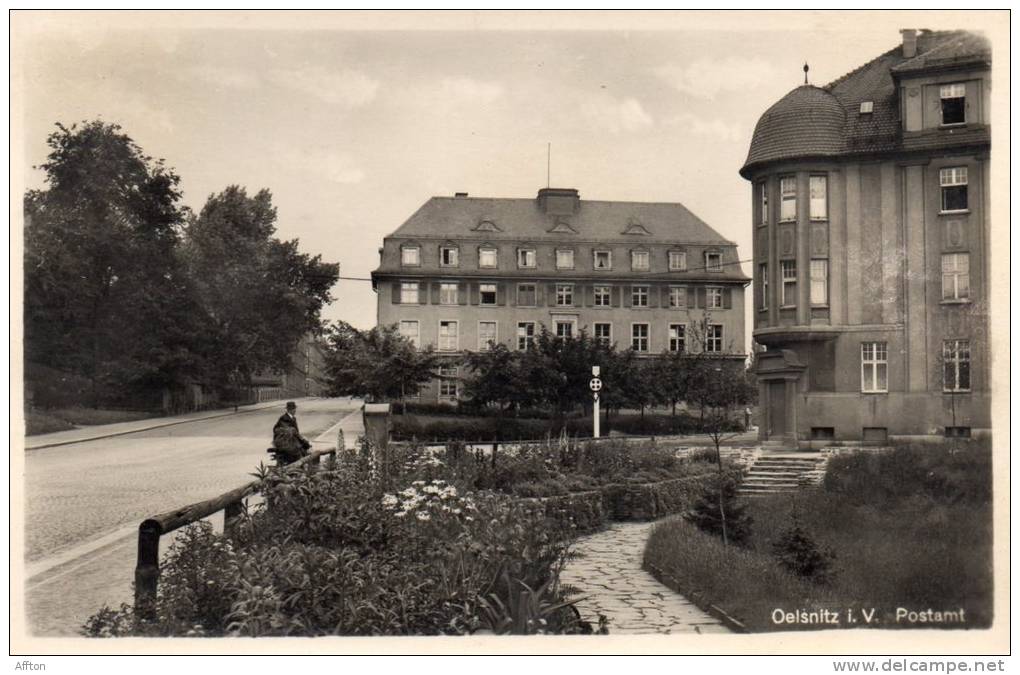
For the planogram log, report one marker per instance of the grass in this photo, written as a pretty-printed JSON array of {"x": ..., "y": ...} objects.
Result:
[
  {"x": 918, "y": 549},
  {"x": 61, "y": 419}
]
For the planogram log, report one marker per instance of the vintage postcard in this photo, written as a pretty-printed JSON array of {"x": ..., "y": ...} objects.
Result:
[{"x": 510, "y": 332}]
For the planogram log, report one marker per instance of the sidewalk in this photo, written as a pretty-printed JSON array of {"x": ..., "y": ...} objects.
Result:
[{"x": 92, "y": 433}]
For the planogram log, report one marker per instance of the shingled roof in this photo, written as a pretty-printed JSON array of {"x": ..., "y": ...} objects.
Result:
[
  {"x": 524, "y": 220},
  {"x": 804, "y": 124}
]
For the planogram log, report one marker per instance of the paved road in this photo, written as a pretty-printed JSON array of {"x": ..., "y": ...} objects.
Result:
[
  {"x": 83, "y": 502},
  {"x": 608, "y": 575}
]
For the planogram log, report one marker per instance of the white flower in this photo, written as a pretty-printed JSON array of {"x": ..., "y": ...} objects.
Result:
[
  {"x": 390, "y": 501},
  {"x": 423, "y": 516}
]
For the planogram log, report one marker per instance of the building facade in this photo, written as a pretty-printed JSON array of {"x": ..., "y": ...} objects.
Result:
[
  {"x": 871, "y": 247},
  {"x": 463, "y": 274}
]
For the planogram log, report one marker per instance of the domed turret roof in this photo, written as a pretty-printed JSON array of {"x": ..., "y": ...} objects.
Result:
[{"x": 807, "y": 122}]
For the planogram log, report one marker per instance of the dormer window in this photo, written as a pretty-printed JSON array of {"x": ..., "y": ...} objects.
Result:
[
  {"x": 867, "y": 107},
  {"x": 410, "y": 256},
  {"x": 487, "y": 257},
  {"x": 449, "y": 256},
  {"x": 603, "y": 260},
  {"x": 678, "y": 261},
  {"x": 564, "y": 259},
  {"x": 713, "y": 261},
  {"x": 639, "y": 261},
  {"x": 525, "y": 257},
  {"x": 954, "y": 99}
]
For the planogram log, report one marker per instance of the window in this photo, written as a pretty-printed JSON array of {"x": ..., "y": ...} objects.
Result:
[
  {"x": 409, "y": 293},
  {"x": 565, "y": 329},
  {"x": 867, "y": 107},
  {"x": 448, "y": 256},
  {"x": 823, "y": 433},
  {"x": 411, "y": 331},
  {"x": 820, "y": 282},
  {"x": 713, "y": 338},
  {"x": 564, "y": 259},
  {"x": 788, "y": 198},
  {"x": 526, "y": 295},
  {"x": 713, "y": 298},
  {"x": 448, "y": 294},
  {"x": 603, "y": 297},
  {"x": 639, "y": 296},
  {"x": 486, "y": 335},
  {"x": 956, "y": 365},
  {"x": 677, "y": 297},
  {"x": 603, "y": 260},
  {"x": 953, "y": 98},
  {"x": 564, "y": 295},
  {"x": 448, "y": 382},
  {"x": 525, "y": 257},
  {"x": 448, "y": 337},
  {"x": 955, "y": 276},
  {"x": 639, "y": 260},
  {"x": 789, "y": 269},
  {"x": 487, "y": 294},
  {"x": 819, "y": 202},
  {"x": 410, "y": 256},
  {"x": 713, "y": 262},
  {"x": 639, "y": 337},
  {"x": 874, "y": 367},
  {"x": 953, "y": 182},
  {"x": 677, "y": 337},
  {"x": 763, "y": 203},
  {"x": 763, "y": 285},
  {"x": 488, "y": 257},
  {"x": 604, "y": 333},
  {"x": 678, "y": 261},
  {"x": 525, "y": 334}
]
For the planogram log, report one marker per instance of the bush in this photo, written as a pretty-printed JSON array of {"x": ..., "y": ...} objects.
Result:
[
  {"x": 799, "y": 553},
  {"x": 706, "y": 515}
]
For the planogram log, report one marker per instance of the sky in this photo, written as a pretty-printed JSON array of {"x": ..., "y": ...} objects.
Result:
[{"x": 353, "y": 121}]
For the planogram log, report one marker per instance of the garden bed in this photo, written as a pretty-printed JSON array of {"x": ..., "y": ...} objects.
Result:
[{"x": 908, "y": 531}]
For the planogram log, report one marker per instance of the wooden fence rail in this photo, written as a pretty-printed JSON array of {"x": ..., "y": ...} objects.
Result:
[{"x": 152, "y": 529}]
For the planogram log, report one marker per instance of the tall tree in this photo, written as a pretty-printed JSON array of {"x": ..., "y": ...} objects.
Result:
[
  {"x": 377, "y": 363},
  {"x": 260, "y": 294},
  {"x": 105, "y": 297}
]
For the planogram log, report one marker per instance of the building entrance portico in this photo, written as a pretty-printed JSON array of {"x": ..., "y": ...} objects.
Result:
[{"x": 779, "y": 375}]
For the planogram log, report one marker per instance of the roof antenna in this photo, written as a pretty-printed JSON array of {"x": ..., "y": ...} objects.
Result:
[
  {"x": 806, "y": 68},
  {"x": 548, "y": 164}
]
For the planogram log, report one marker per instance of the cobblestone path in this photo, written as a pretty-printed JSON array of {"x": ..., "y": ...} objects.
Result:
[{"x": 609, "y": 576}]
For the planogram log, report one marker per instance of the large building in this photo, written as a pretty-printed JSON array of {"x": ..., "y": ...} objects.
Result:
[
  {"x": 871, "y": 247},
  {"x": 464, "y": 273}
]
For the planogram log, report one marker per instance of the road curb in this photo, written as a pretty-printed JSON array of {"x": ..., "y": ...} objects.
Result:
[{"x": 148, "y": 428}]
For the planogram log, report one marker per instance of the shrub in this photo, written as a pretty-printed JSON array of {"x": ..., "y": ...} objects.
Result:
[
  {"x": 799, "y": 553},
  {"x": 706, "y": 515}
]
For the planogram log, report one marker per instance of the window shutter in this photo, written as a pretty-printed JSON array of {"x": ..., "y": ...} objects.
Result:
[
  {"x": 628, "y": 295},
  {"x": 589, "y": 295},
  {"x": 727, "y": 298},
  {"x": 473, "y": 293},
  {"x": 551, "y": 291},
  {"x": 539, "y": 295},
  {"x": 396, "y": 292},
  {"x": 653, "y": 296},
  {"x": 422, "y": 293},
  {"x": 699, "y": 298},
  {"x": 462, "y": 294},
  {"x": 664, "y": 296},
  {"x": 501, "y": 294},
  {"x": 614, "y": 296},
  {"x": 435, "y": 292}
]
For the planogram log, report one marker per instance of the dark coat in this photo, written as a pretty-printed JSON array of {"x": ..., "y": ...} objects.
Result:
[{"x": 287, "y": 439}]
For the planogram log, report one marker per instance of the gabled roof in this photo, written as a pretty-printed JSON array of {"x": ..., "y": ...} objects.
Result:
[
  {"x": 805, "y": 124},
  {"x": 524, "y": 220}
]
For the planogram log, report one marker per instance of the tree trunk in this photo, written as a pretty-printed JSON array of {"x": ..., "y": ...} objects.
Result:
[{"x": 722, "y": 509}]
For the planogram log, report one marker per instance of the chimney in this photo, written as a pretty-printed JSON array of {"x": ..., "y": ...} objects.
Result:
[
  {"x": 559, "y": 201},
  {"x": 460, "y": 195},
  {"x": 909, "y": 42}
]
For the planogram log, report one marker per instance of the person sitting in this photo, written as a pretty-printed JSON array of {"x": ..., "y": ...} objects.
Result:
[{"x": 288, "y": 443}]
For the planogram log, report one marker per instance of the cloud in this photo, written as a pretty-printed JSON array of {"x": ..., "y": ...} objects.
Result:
[
  {"x": 706, "y": 78},
  {"x": 713, "y": 128},
  {"x": 615, "y": 115},
  {"x": 224, "y": 76},
  {"x": 345, "y": 88},
  {"x": 468, "y": 91},
  {"x": 333, "y": 167}
]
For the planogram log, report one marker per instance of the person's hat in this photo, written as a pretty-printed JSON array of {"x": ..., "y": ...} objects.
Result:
[{"x": 291, "y": 405}]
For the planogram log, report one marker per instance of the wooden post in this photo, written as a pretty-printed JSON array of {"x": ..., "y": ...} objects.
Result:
[{"x": 147, "y": 569}]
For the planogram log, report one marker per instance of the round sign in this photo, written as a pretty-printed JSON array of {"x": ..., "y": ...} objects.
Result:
[{"x": 595, "y": 384}]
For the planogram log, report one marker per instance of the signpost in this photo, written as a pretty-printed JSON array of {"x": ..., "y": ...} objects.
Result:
[{"x": 596, "y": 386}]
